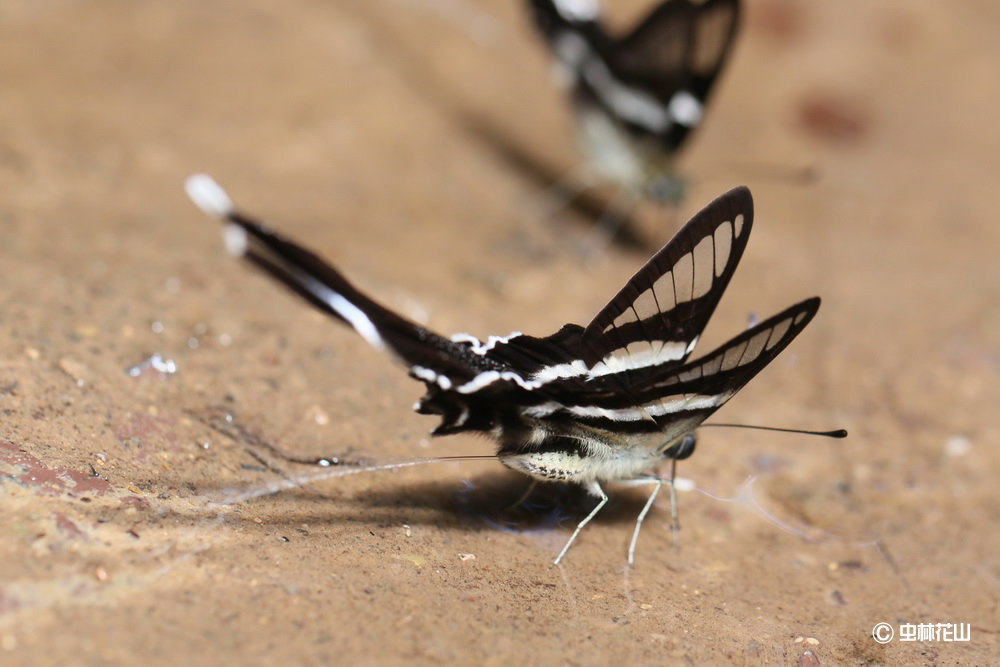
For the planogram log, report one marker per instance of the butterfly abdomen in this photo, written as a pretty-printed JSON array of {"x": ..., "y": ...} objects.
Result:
[{"x": 579, "y": 459}]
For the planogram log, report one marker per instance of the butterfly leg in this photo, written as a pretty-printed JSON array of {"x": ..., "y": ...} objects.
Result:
[
  {"x": 524, "y": 496},
  {"x": 681, "y": 450},
  {"x": 595, "y": 490},
  {"x": 675, "y": 519},
  {"x": 560, "y": 194},
  {"x": 642, "y": 515},
  {"x": 616, "y": 215}
]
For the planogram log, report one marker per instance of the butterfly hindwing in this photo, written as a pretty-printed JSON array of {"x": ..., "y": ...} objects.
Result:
[
  {"x": 702, "y": 386},
  {"x": 671, "y": 400},
  {"x": 727, "y": 369},
  {"x": 430, "y": 357}
]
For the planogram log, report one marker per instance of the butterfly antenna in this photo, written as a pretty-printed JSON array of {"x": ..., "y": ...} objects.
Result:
[
  {"x": 745, "y": 497},
  {"x": 836, "y": 433},
  {"x": 796, "y": 175},
  {"x": 308, "y": 478},
  {"x": 562, "y": 193}
]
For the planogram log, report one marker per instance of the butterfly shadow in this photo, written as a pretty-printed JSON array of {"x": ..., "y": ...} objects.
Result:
[
  {"x": 587, "y": 202},
  {"x": 617, "y": 227},
  {"x": 489, "y": 501}
]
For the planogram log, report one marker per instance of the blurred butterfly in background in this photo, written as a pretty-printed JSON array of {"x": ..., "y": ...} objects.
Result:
[{"x": 636, "y": 98}]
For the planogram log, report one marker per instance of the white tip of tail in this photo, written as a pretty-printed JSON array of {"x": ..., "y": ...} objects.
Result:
[
  {"x": 235, "y": 238},
  {"x": 208, "y": 195}
]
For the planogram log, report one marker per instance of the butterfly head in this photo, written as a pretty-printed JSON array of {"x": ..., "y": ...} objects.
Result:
[{"x": 665, "y": 186}]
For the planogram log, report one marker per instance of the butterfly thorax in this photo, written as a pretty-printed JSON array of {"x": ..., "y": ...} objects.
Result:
[
  {"x": 545, "y": 441},
  {"x": 634, "y": 161}
]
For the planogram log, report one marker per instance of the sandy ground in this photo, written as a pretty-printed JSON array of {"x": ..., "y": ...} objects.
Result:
[{"x": 387, "y": 134}]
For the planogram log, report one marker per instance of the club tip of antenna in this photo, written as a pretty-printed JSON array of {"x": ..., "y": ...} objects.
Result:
[{"x": 837, "y": 433}]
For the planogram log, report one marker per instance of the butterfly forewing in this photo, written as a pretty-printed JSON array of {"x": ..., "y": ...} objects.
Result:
[
  {"x": 656, "y": 319},
  {"x": 714, "y": 30},
  {"x": 657, "y": 53},
  {"x": 680, "y": 45}
]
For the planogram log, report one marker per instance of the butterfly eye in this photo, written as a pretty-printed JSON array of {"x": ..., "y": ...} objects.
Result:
[{"x": 667, "y": 188}]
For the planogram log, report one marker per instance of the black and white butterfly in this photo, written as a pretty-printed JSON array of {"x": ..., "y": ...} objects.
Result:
[
  {"x": 637, "y": 97},
  {"x": 608, "y": 402}
]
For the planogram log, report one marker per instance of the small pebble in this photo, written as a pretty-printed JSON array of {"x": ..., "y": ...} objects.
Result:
[
  {"x": 87, "y": 331},
  {"x": 318, "y": 415},
  {"x": 809, "y": 658},
  {"x": 957, "y": 445},
  {"x": 76, "y": 370}
]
